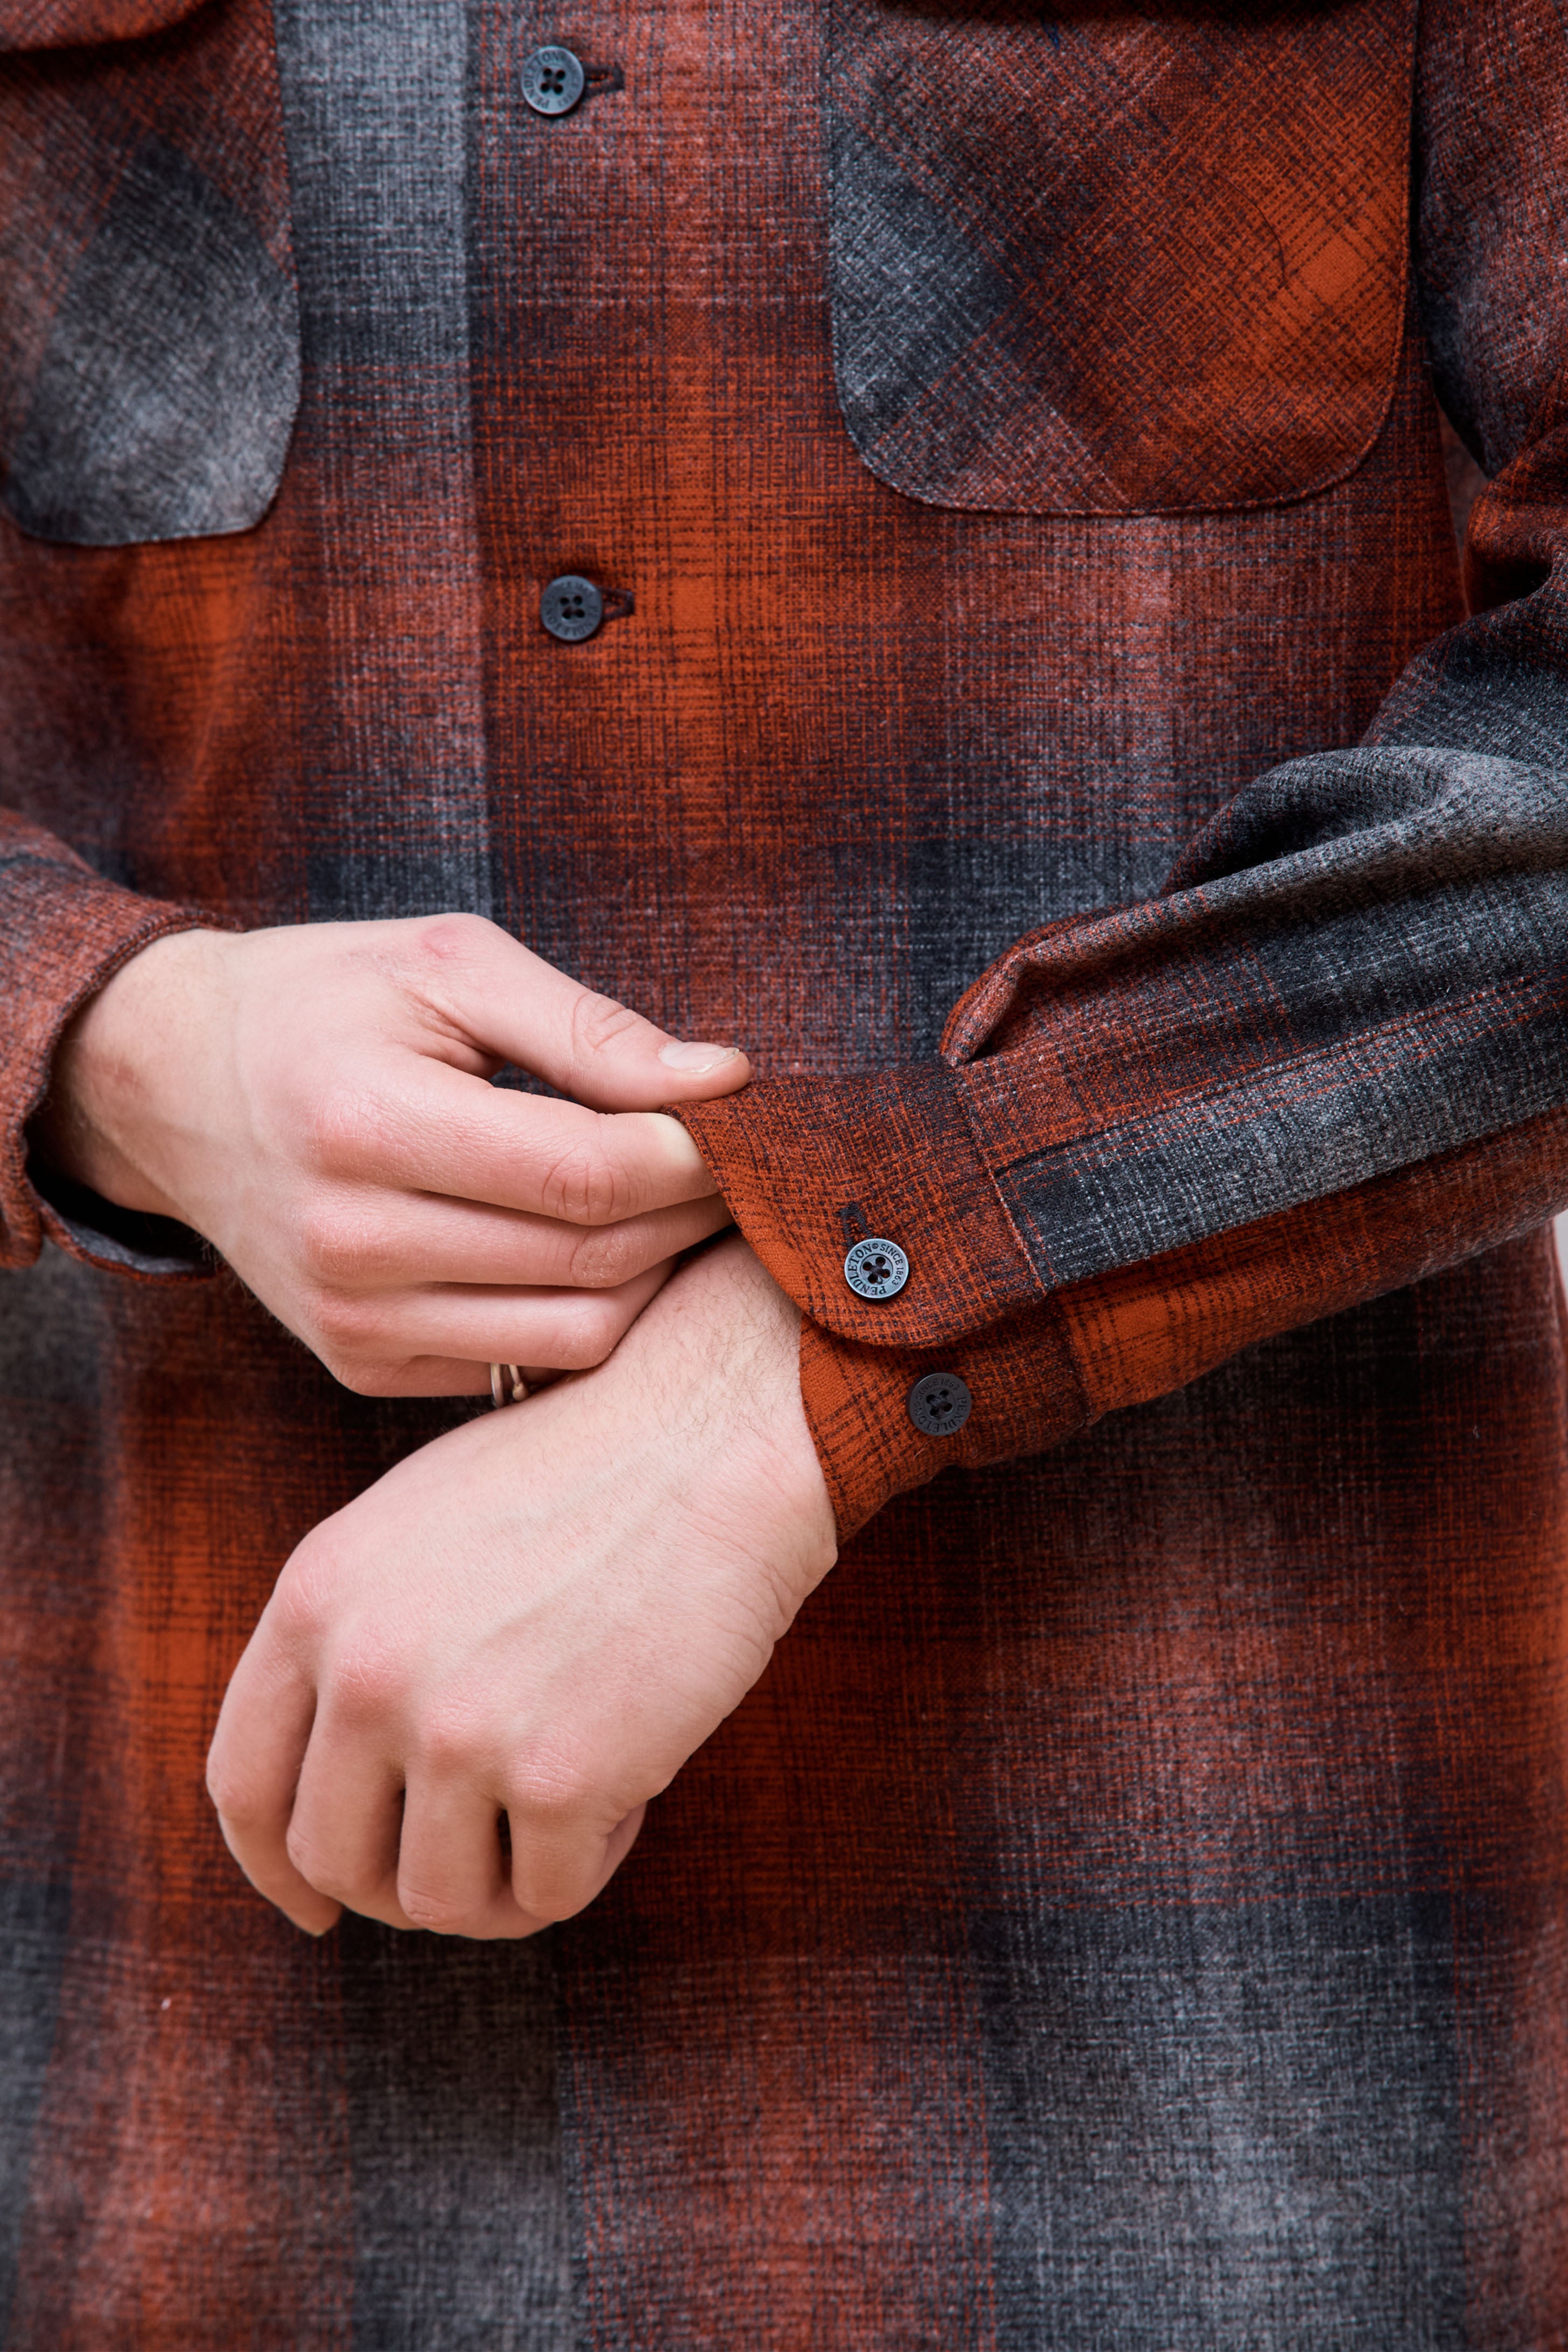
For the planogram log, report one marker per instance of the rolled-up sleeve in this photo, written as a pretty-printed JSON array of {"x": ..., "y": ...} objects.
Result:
[{"x": 1328, "y": 1056}]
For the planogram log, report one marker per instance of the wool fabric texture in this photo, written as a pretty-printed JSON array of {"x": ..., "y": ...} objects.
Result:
[{"x": 1051, "y": 733}]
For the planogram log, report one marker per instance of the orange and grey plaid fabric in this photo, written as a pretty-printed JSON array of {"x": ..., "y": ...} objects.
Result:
[
  {"x": 1132, "y": 1912},
  {"x": 1039, "y": 306}
]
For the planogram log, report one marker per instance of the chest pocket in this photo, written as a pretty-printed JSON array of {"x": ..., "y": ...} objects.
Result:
[
  {"x": 149, "y": 319},
  {"x": 1099, "y": 262}
]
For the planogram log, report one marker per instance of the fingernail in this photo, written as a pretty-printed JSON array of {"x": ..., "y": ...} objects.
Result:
[{"x": 697, "y": 1057}]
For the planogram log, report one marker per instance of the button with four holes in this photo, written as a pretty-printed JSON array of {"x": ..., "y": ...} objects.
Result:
[
  {"x": 571, "y": 608},
  {"x": 553, "y": 81},
  {"x": 940, "y": 1404},
  {"x": 875, "y": 1268}
]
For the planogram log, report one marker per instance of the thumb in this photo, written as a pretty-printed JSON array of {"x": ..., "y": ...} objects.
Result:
[{"x": 597, "y": 1051}]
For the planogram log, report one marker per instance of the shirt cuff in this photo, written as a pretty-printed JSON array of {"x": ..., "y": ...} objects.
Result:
[
  {"x": 64, "y": 933},
  {"x": 1125, "y": 1338},
  {"x": 811, "y": 1166},
  {"x": 1015, "y": 1388},
  {"x": 122, "y": 1241}
]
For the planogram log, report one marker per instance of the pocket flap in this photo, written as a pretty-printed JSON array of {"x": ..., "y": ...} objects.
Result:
[
  {"x": 63, "y": 24},
  {"x": 149, "y": 317},
  {"x": 1106, "y": 262}
]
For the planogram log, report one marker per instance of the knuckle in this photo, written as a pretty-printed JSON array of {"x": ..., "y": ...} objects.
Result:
[
  {"x": 301, "y": 1600},
  {"x": 551, "y": 1892},
  {"x": 235, "y": 1799},
  {"x": 447, "y": 1741},
  {"x": 604, "y": 1257},
  {"x": 454, "y": 937},
  {"x": 586, "y": 1332},
  {"x": 319, "y": 1870},
  {"x": 598, "y": 1022},
  {"x": 335, "y": 1245},
  {"x": 343, "y": 1128},
  {"x": 367, "y": 1682},
  {"x": 445, "y": 958},
  {"x": 544, "y": 1902},
  {"x": 584, "y": 1187},
  {"x": 438, "y": 1914},
  {"x": 550, "y": 1794},
  {"x": 301, "y": 1852},
  {"x": 347, "y": 1326}
]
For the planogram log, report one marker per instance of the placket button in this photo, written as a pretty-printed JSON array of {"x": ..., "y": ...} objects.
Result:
[
  {"x": 940, "y": 1404},
  {"x": 553, "y": 81},
  {"x": 571, "y": 608},
  {"x": 875, "y": 1268}
]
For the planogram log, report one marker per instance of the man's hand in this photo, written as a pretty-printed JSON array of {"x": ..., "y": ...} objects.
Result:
[
  {"x": 315, "y": 1101},
  {"x": 533, "y": 1621}
]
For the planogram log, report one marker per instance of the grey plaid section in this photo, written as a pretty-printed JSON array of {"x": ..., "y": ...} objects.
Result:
[
  {"x": 1268, "y": 2041},
  {"x": 1411, "y": 964},
  {"x": 35, "y": 1919},
  {"x": 459, "y": 2214},
  {"x": 374, "y": 98},
  {"x": 910, "y": 294},
  {"x": 167, "y": 397},
  {"x": 459, "y": 2222},
  {"x": 1319, "y": 1125}
]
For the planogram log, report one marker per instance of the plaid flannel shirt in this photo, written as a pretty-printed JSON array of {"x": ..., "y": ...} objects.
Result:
[{"x": 1048, "y": 732}]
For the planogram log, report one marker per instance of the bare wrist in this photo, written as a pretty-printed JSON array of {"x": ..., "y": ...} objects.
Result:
[
  {"x": 94, "y": 1124},
  {"x": 740, "y": 1335}
]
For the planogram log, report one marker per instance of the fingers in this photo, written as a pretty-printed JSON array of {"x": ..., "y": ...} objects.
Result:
[
  {"x": 432, "y": 1856},
  {"x": 520, "y": 1007},
  {"x": 444, "y": 1856},
  {"x": 417, "y": 1124},
  {"x": 453, "y": 1873},
  {"x": 360, "y": 1243},
  {"x": 455, "y": 1876},
  {"x": 558, "y": 1866},
  {"x": 467, "y": 1285},
  {"x": 368, "y": 1343},
  {"x": 253, "y": 1767},
  {"x": 346, "y": 1822}
]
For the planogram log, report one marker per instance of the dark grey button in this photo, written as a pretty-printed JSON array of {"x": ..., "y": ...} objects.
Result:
[
  {"x": 876, "y": 1270},
  {"x": 571, "y": 608},
  {"x": 940, "y": 1404},
  {"x": 553, "y": 81}
]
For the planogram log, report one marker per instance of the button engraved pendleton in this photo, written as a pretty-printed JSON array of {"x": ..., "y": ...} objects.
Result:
[
  {"x": 940, "y": 1404},
  {"x": 571, "y": 608},
  {"x": 553, "y": 81},
  {"x": 875, "y": 1268}
]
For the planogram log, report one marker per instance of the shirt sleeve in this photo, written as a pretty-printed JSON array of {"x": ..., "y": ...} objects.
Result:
[
  {"x": 1331, "y": 1054},
  {"x": 64, "y": 932}
]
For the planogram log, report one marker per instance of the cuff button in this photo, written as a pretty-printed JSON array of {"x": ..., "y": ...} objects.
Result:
[
  {"x": 554, "y": 79},
  {"x": 940, "y": 1404},
  {"x": 876, "y": 1270},
  {"x": 571, "y": 608}
]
